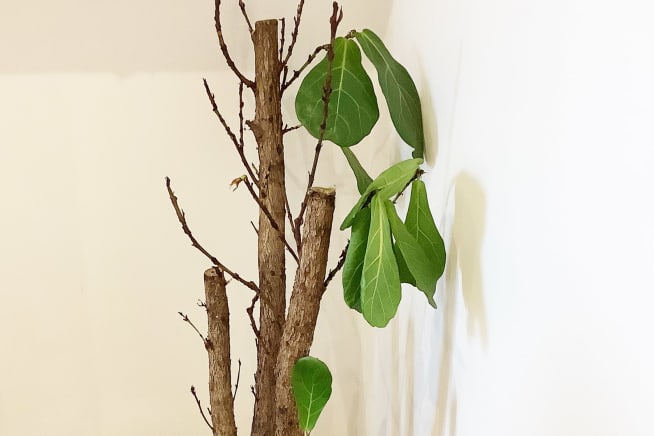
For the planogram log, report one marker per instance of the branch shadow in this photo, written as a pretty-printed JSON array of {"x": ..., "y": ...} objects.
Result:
[{"x": 463, "y": 273}]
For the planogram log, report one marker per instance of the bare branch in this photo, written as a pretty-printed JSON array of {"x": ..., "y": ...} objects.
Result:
[
  {"x": 238, "y": 379},
  {"x": 197, "y": 401},
  {"x": 241, "y": 141},
  {"x": 238, "y": 143},
  {"x": 287, "y": 129},
  {"x": 297, "y": 19},
  {"x": 186, "y": 319},
  {"x": 337, "y": 268},
  {"x": 337, "y": 16},
  {"x": 223, "y": 48},
  {"x": 273, "y": 223},
  {"x": 296, "y": 73},
  {"x": 250, "y": 311},
  {"x": 296, "y": 233},
  {"x": 182, "y": 220},
  {"x": 241, "y": 4},
  {"x": 282, "y": 41}
]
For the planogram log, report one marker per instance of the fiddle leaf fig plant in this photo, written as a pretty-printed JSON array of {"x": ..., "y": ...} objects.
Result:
[
  {"x": 383, "y": 251},
  {"x": 335, "y": 102}
]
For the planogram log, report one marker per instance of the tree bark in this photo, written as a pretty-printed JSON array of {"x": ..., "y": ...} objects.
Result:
[
  {"x": 218, "y": 349},
  {"x": 303, "y": 309},
  {"x": 267, "y": 129}
]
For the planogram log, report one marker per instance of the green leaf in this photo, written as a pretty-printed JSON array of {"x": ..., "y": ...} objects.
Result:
[
  {"x": 390, "y": 182},
  {"x": 353, "y": 109},
  {"x": 420, "y": 224},
  {"x": 399, "y": 90},
  {"x": 405, "y": 274},
  {"x": 380, "y": 283},
  {"x": 363, "y": 179},
  {"x": 311, "y": 383},
  {"x": 416, "y": 260},
  {"x": 353, "y": 266}
]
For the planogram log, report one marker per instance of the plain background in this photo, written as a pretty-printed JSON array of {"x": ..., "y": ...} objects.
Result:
[{"x": 538, "y": 119}]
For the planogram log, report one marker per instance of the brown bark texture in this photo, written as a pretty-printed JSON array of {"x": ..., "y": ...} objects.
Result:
[
  {"x": 218, "y": 349},
  {"x": 303, "y": 308},
  {"x": 267, "y": 129}
]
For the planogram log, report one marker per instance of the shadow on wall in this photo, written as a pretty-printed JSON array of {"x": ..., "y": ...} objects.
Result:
[
  {"x": 429, "y": 119},
  {"x": 463, "y": 273},
  {"x": 467, "y": 235}
]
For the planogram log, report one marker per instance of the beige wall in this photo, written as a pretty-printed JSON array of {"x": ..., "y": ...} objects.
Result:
[{"x": 98, "y": 102}]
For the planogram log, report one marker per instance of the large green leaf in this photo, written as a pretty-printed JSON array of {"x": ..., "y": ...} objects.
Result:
[
  {"x": 311, "y": 383},
  {"x": 353, "y": 109},
  {"x": 380, "y": 283},
  {"x": 419, "y": 265},
  {"x": 388, "y": 183},
  {"x": 353, "y": 266},
  {"x": 420, "y": 224},
  {"x": 399, "y": 90},
  {"x": 363, "y": 179}
]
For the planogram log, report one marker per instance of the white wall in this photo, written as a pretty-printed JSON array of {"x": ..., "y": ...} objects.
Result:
[{"x": 542, "y": 153}]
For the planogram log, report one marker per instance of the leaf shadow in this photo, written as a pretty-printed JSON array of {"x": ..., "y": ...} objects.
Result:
[
  {"x": 429, "y": 120},
  {"x": 468, "y": 232},
  {"x": 463, "y": 274}
]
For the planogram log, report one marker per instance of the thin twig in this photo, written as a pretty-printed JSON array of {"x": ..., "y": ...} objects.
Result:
[
  {"x": 238, "y": 379},
  {"x": 186, "y": 319},
  {"x": 337, "y": 16},
  {"x": 273, "y": 223},
  {"x": 287, "y": 129},
  {"x": 223, "y": 48},
  {"x": 416, "y": 176},
  {"x": 291, "y": 223},
  {"x": 250, "y": 311},
  {"x": 255, "y": 228},
  {"x": 337, "y": 268},
  {"x": 296, "y": 28},
  {"x": 237, "y": 143},
  {"x": 283, "y": 81},
  {"x": 296, "y": 73},
  {"x": 241, "y": 141},
  {"x": 283, "y": 35},
  {"x": 241, "y": 4},
  {"x": 182, "y": 220},
  {"x": 197, "y": 401}
]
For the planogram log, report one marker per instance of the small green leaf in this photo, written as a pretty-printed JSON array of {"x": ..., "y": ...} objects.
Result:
[
  {"x": 363, "y": 179},
  {"x": 399, "y": 90},
  {"x": 380, "y": 283},
  {"x": 419, "y": 265},
  {"x": 388, "y": 183},
  {"x": 311, "y": 383},
  {"x": 420, "y": 224},
  {"x": 353, "y": 109},
  {"x": 353, "y": 266}
]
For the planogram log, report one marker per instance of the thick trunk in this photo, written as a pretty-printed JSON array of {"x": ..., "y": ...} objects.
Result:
[
  {"x": 220, "y": 375},
  {"x": 304, "y": 305},
  {"x": 267, "y": 129}
]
